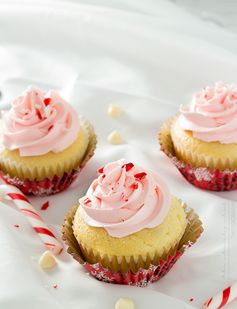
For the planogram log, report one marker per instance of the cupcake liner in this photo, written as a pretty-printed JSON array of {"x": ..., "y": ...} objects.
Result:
[
  {"x": 57, "y": 183},
  {"x": 201, "y": 177},
  {"x": 131, "y": 273},
  {"x": 42, "y": 187}
]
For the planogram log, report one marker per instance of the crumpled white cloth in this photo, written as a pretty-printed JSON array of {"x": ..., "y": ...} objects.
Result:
[{"x": 148, "y": 59}]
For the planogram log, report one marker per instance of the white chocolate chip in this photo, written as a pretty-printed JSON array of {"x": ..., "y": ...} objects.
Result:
[
  {"x": 124, "y": 303},
  {"x": 115, "y": 138},
  {"x": 114, "y": 111},
  {"x": 47, "y": 260}
]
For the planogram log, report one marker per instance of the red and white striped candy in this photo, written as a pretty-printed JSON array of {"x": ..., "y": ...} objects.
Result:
[
  {"x": 223, "y": 298},
  {"x": 25, "y": 207}
]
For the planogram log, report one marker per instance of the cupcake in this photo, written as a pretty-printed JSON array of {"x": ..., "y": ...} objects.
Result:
[
  {"x": 204, "y": 138},
  {"x": 44, "y": 143},
  {"x": 128, "y": 226}
]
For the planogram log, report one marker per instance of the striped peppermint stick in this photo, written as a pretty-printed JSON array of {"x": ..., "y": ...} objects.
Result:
[
  {"x": 23, "y": 204},
  {"x": 223, "y": 298}
]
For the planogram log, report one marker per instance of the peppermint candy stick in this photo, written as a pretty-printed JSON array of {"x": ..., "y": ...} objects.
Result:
[
  {"x": 23, "y": 204},
  {"x": 223, "y": 298}
]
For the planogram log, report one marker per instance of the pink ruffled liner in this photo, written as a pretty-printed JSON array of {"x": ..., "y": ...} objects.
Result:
[
  {"x": 141, "y": 278},
  {"x": 43, "y": 187}
]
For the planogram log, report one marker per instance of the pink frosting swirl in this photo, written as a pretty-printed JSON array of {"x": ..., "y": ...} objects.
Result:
[
  {"x": 212, "y": 114},
  {"x": 38, "y": 123},
  {"x": 125, "y": 199}
]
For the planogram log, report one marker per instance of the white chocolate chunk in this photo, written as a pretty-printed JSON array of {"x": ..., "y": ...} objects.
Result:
[
  {"x": 114, "y": 111},
  {"x": 124, "y": 303},
  {"x": 115, "y": 138},
  {"x": 47, "y": 260}
]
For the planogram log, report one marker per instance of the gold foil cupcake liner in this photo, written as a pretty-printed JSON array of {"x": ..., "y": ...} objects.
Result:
[
  {"x": 134, "y": 264},
  {"x": 92, "y": 141},
  {"x": 165, "y": 139}
]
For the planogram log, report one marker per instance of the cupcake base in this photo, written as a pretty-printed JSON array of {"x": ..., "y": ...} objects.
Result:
[
  {"x": 201, "y": 177},
  {"x": 57, "y": 183},
  {"x": 142, "y": 276}
]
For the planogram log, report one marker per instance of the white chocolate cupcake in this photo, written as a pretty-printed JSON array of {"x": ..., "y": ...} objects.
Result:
[{"x": 44, "y": 142}]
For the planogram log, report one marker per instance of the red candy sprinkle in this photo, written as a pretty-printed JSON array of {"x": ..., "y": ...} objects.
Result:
[
  {"x": 140, "y": 175},
  {"x": 38, "y": 113},
  {"x": 128, "y": 166},
  {"x": 101, "y": 170},
  {"x": 55, "y": 286},
  {"x": 135, "y": 186},
  {"x": 191, "y": 299},
  {"x": 45, "y": 206},
  {"x": 50, "y": 127},
  {"x": 47, "y": 101},
  {"x": 87, "y": 201},
  {"x": 17, "y": 225}
]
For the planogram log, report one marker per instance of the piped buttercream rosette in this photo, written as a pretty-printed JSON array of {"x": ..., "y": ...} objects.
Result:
[
  {"x": 212, "y": 114},
  {"x": 44, "y": 143},
  {"x": 38, "y": 123},
  {"x": 125, "y": 199}
]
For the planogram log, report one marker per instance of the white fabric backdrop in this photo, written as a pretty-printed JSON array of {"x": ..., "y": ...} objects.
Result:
[{"x": 147, "y": 57}]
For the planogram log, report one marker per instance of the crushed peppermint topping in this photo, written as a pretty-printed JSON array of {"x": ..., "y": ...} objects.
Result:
[
  {"x": 50, "y": 127},
  {"x": 47, "y": 101},
  {"x": 128, "y": 166},
  {"x": 135, "y": 186},
  {"x": 101, "y": 170},
  {"x": 87, "y": 201},
  {"x": 45, "y": 206},
  {"x": 140, "y": 175},
  {"x": 38, "y": 113}
]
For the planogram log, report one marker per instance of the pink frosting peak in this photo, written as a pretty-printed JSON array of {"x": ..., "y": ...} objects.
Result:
[
  {"x": 212, "y": 114},
  {"x": 38, "y": 123},
  {"x": 125, "y": 199}
]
